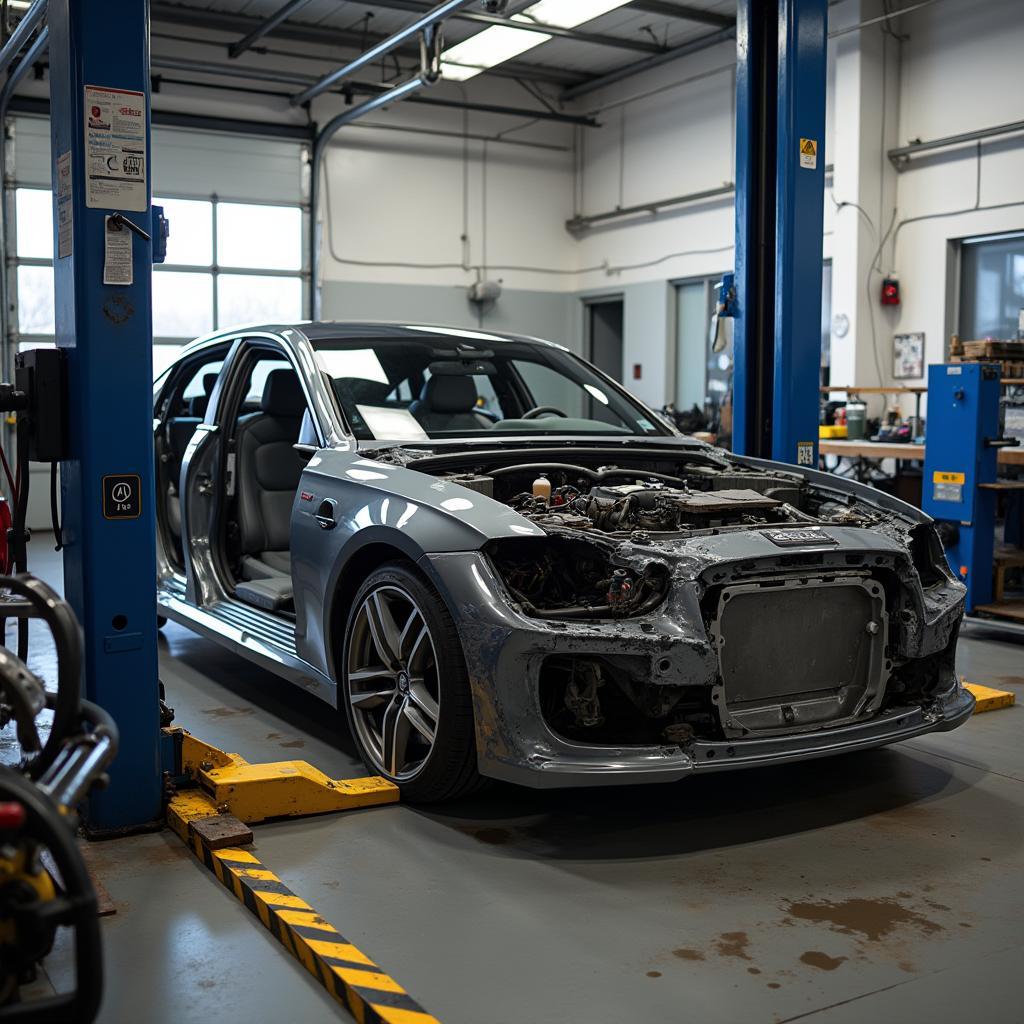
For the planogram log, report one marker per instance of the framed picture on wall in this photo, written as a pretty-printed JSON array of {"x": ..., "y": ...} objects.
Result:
[{"x": 908, "y": 356}]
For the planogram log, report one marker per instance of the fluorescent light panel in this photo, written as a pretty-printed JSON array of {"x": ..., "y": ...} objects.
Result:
[
  {"x": 493, "y": 46},
  {"x": 499, "y": 43},
  {"x": 570, "y": 13}
]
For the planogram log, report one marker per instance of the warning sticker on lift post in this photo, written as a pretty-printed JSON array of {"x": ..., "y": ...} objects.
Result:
[
  {"x": 121, "y": 496},
  {"x": 117, "y": 252},
  {"x": 948, "y": 486},
  {"x": 809, "y": 153},
  {"x": 115, "y": 149},
  {"x": 65, "y": 226},
  {"x": 805, "y": 453}
]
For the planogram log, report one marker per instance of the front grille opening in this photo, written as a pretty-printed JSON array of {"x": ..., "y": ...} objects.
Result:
[
  {"x": 798, "y": 653},
  {"x": 606, "y": 701}
]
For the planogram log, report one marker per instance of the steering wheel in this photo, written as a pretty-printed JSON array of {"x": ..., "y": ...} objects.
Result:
[{"x": 543, "y": 410}]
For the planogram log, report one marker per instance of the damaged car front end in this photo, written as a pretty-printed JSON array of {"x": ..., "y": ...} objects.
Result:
[{"x": 685, "y": 610}]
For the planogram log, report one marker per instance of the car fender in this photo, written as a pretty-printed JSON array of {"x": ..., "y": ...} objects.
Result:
[{"x": 375, "y": 503}]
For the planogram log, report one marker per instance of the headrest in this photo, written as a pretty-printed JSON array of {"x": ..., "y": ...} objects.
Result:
[
  {"x": 449, "y": 394},
  {"x": 282, "y": 394},
  {"x": 197, "y": 405}
]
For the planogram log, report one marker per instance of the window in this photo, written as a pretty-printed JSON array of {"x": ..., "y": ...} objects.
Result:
[
  {"x": 704, "y": 376},
  {"x": 412, "y": 388},
  {"x": 991, "y": 286},
  {"x": 227, "y": 263}
]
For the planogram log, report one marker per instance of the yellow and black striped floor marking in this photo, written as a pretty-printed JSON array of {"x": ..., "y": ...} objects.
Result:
[{"x": 348, "y": 974}]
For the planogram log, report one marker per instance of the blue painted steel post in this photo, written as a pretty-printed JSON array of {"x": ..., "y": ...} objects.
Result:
[
  {"x": 99, "y": 96},
  {"x": 755, "y": 253},
  {"x": 780, "y": 177},
  {"x": 800, "y": 192}
]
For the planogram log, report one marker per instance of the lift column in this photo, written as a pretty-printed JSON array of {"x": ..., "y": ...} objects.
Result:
[
  {"x": 99, "y": 96},
  {"x": 780, "y": 181}
]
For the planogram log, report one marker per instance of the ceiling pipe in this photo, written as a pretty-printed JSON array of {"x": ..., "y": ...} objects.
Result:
[
  {"x": 34, "y": 53},
  {"x": 19, "y": 37},
  {"x": 682, "y": 11},
  {"x": 266, "y": 26},
  {"x": 427, "y": 21},
  {"x": 202, "y": 67},
  {"x": 693, "y": 46},
  {"x": 399, "y": 92},
  {"x": 199, "y": 67},
  {"x": 579, "y": 224},
  {"x": 902, "y": 154}
]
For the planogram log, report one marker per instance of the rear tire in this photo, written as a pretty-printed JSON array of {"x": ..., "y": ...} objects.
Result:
[{"x": 405, "y": 688}]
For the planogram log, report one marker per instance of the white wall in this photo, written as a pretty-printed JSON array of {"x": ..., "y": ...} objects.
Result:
[
  {"x": 962, "y": 70},
  {"x": 957, "y": 68}
]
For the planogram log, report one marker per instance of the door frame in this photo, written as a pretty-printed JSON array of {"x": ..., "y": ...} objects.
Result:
[
  {"x": 599, "y": 300},
  {"x": 708, "y": 281}
]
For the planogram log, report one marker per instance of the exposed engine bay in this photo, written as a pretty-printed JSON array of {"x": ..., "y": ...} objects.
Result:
[{"x": 588, "y": 511}]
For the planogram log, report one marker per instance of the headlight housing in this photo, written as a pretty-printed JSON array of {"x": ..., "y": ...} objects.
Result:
[{"x": 568, "y": 578}]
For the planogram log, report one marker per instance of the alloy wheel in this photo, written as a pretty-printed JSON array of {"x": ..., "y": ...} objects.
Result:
[{"x": 393, "y": 682}]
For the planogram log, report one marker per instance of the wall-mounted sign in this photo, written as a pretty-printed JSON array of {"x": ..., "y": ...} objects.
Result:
[{"x": 908, "y": 356}]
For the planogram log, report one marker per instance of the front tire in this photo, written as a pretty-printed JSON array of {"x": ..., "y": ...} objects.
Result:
[{"x": 405, "y": 688}]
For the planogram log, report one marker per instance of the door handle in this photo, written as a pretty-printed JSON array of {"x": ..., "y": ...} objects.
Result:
[{"x": 325, "y": 514}]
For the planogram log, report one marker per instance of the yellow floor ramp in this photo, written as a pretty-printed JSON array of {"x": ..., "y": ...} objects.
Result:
[
  {"x": 212, "y": 812},
  {"x": 987, "y": 699}
]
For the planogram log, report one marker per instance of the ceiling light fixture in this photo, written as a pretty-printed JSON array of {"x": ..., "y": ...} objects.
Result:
[
  {"x": 570, "y": 13},
  {"x": 500, "y": 43},
  {"x": 493, "y": 46}
]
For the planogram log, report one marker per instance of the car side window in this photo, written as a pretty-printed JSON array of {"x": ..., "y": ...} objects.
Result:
[
  {"x": 190, "y": 392},
  {"x": 200, "y": 384}
]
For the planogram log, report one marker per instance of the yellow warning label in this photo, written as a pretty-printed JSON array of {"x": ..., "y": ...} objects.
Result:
[
  {"x": 939, "y": 477},
  {"x": 809, "y": 153}
]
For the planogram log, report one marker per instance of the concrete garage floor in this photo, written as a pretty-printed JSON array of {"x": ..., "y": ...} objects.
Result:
[{"x": 884, "y": 886}]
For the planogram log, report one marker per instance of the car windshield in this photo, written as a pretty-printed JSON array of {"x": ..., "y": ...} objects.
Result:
[{"x": 413, "y": 389}]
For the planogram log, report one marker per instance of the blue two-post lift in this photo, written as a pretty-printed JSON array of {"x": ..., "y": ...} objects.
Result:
[
  {"x": 775, "y": 295},
  {"x": 99, "y": 64},
  {"x": 101, "y": 161}
]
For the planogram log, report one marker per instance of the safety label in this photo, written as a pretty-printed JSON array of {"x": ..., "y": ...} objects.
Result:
[
  {"x": 805, "y": 453},
  {"x": 117, "y": 252},
  {"x": 121, "y": 496},
  {"x": 948, "y": 492},
  {"x": 64, "y": 220},
  {"x": 809, "y": 153},
  {"x": 940, "y": 477},
  {"x": 115, "y": 149}
]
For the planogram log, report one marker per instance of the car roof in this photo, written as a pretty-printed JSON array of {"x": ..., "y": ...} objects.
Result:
[{"x": 376, "y": 330}]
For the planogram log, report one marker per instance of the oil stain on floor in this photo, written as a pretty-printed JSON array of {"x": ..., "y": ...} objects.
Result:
[
  {"x": 824, "y": 962},
  {"x": 870, "y": 919}
]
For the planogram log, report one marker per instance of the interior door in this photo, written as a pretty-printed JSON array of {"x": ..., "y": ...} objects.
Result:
[{"x": 604, "y": 336}]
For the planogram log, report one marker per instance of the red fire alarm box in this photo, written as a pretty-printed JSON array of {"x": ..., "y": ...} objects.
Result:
[
  {"x": 638, "y": 371},
  {"x": 890, "y": 291}
]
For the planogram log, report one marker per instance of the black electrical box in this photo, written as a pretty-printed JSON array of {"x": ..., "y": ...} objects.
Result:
[{"x": 40, "y": 373}]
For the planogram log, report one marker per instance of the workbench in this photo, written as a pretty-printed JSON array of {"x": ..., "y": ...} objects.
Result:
[{"x": 900, "y": 452}]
